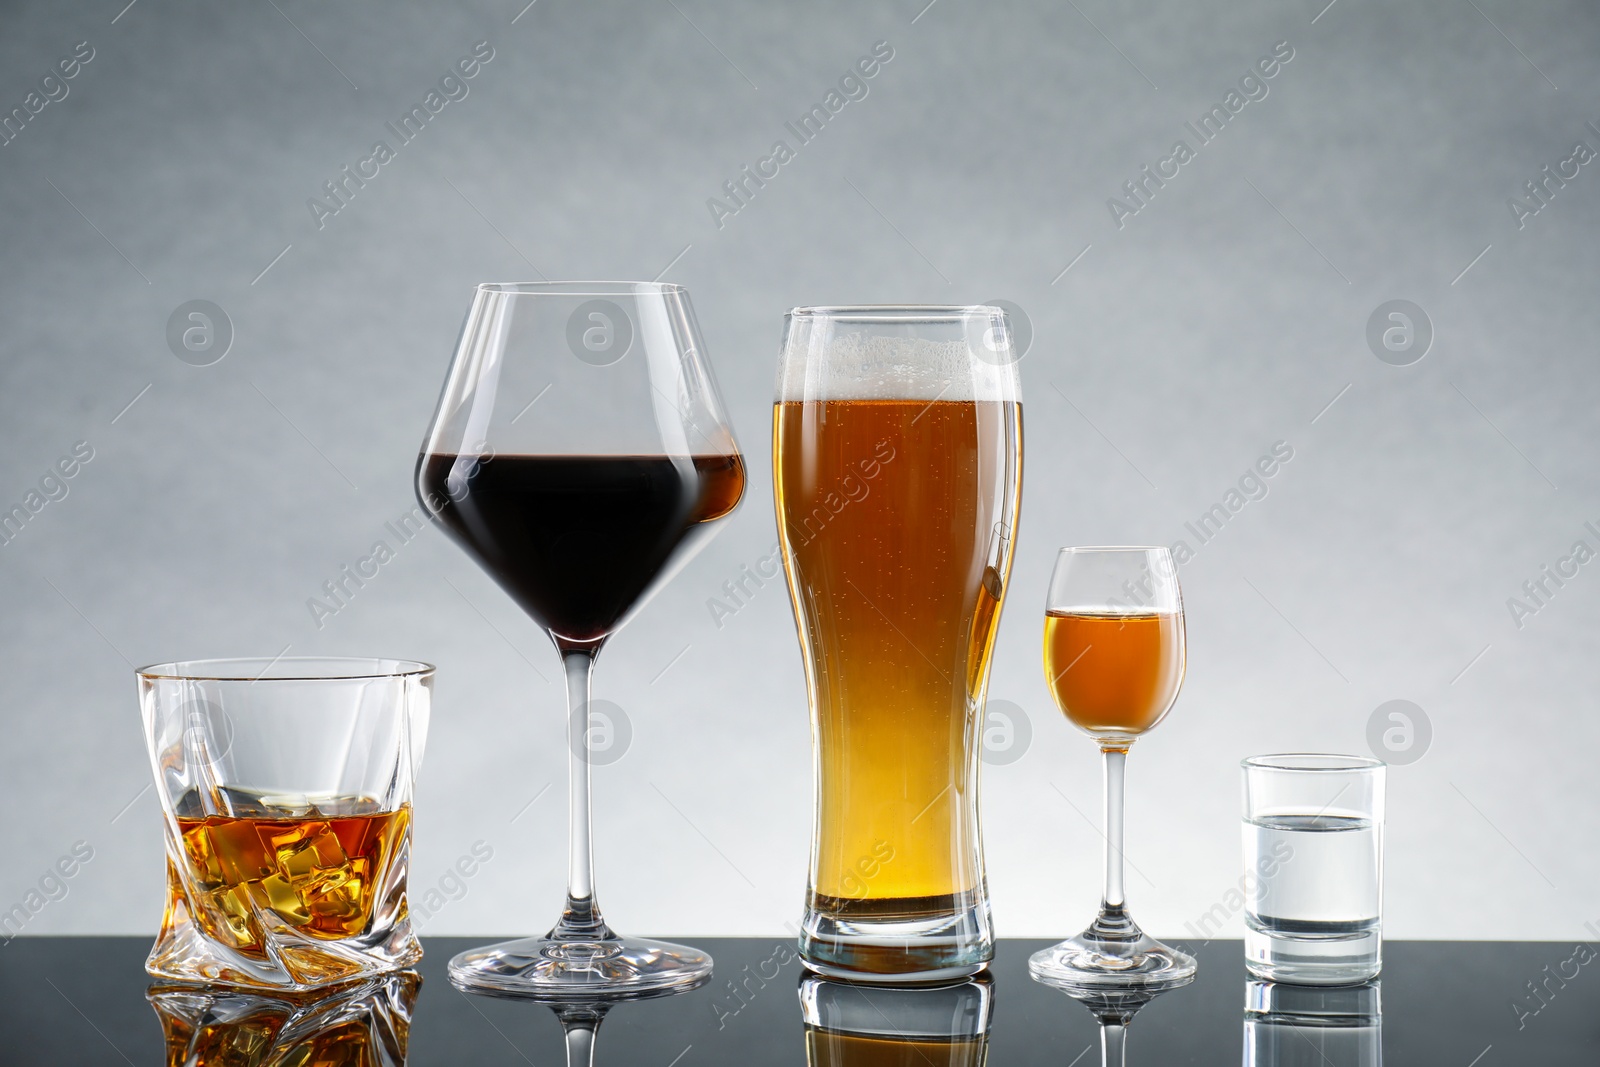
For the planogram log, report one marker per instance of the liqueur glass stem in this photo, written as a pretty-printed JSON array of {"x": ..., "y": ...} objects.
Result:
[{"x": 1112, "y": 905}]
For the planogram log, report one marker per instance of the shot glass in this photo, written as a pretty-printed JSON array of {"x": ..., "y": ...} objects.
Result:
[
  {"x": 285, "y": 789},
  {"x": 1313, "y": 849},
  {"x": 1305, "y": 1026}
]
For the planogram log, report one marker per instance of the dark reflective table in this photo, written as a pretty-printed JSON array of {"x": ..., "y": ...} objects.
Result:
[{"x": 87, "y": 1000}]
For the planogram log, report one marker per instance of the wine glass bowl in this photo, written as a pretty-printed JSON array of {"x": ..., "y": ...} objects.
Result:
[
  {"x": 617, "y": 524},
  {"x": 580, "y": 454},
  {"x": 1114, "y": 649}
]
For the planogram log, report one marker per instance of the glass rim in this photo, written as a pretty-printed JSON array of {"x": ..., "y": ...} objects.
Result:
[
  {"x": 1304, "y": 763},
  {"x": 581, "y": 288},
  {"x": 894, "y": 314},
  {"x": 1113, "y": 548},
  {"x": 302, "y": 669}
]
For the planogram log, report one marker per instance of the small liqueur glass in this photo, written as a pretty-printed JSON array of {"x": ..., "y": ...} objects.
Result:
[
  {"x": 1114, "y": 659},
  {"x": 285, "y": 790}
]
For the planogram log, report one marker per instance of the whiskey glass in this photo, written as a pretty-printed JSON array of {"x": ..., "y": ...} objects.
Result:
[
  {"x": 1114, "y": 661},
  {"x": 285, "y": 789}
]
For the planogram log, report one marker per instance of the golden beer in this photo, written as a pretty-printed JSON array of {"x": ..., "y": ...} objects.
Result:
[{"x": 896, "y": 516}]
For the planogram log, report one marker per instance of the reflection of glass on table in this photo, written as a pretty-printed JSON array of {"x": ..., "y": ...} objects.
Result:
[
  {"x": 1113, "y": 1007},
  {"x": 367, "y": 1024},
  {"x": 1312, "y": 1026},
  {"x": 851, "y": 1025}
]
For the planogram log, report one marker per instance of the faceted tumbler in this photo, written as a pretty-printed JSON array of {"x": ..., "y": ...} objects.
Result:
[{"x": 285, "y": 789}]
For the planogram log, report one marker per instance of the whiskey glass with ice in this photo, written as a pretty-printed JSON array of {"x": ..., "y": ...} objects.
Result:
[{"x": 285, "y": 790}]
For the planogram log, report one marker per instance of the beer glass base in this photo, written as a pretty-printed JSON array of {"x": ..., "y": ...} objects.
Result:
[
  {"x": 930, "y": 977},
  {"x": 1087, "y": 961},
  {"x": 542, "y": 968},
  {"x": 896, "y": 949}
]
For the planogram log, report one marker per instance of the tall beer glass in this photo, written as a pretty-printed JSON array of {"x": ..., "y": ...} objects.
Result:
[{"x": 897, "y": 471}]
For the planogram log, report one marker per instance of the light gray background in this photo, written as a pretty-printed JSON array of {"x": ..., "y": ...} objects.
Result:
[{"x": 1226, "y": 316}]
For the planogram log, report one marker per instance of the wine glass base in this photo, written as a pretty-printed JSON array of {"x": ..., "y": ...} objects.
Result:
[
  {"x": 542, "y": 968},
  {"x": 1091, "y": 962}
]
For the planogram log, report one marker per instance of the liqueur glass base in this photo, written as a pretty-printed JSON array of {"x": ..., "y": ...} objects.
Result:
[{"x": 1093, "y": 960}]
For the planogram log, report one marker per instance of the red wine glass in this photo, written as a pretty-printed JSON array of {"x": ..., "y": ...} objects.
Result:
[{"x": 580, "y": 455}]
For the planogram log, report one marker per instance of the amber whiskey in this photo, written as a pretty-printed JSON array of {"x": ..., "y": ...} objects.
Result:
[{"x": 315, "y": 866}]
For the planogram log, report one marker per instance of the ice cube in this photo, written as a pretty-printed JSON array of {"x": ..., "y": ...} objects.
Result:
[
  {"x": 285, "y": 899},
  {"x": 335, "y": 895},
  {"x": 203, "y": 863},
  {"x": 302, "y": 850},
  {"x": 238, "y": 802},
  {"x": 228, "y": 914},
  {"x": 287, "y": 805},
  {"x": 238, "y": 849}
]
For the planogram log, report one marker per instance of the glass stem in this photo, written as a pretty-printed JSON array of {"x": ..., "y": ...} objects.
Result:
[
  {"x": 580, "y": 1042},
  {"x": 1113, "y": 1042},
  {"x": 581, "y": 920},
  {"x": 1113, "y": 916}
]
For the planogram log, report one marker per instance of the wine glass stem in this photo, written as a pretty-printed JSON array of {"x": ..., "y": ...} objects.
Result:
[
  {"x": 580, "y": 1046},
  {"x": 1113, "y": 1042},
  {"x": 581, "y": 918},
  {"x": 1113, "y": 903}
]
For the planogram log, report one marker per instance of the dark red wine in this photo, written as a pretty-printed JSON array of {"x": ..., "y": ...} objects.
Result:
[{"x": 576, "y": 540}]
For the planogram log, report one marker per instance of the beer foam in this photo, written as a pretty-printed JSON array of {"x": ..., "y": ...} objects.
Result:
[{"x": 864, "y": 366}]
